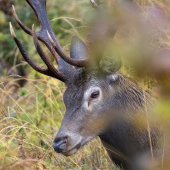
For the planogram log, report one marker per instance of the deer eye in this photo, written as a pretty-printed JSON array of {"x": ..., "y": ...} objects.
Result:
[{"x": 94, "y": 94}]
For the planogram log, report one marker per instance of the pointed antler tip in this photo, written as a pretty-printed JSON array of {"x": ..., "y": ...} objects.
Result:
[
  {"x": 49, "y": 36},
  {"x": 33, "y": 27},
  {"x": 13, "y": 9},
  {"x": 33, "y": 32},
  {"x": 12, "y": 31},
  {"x": 34, "y": 35},
  {"x": 14, "y": 13}
]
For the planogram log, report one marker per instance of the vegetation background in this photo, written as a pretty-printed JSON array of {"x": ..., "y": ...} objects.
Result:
[{"x": 31, "y": 107}]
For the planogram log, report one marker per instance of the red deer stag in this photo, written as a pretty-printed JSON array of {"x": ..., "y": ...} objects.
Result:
[{"x": 99, "y": 100}]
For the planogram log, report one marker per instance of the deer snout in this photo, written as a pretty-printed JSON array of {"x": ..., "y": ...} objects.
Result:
[{"x": 60, "y": 144}]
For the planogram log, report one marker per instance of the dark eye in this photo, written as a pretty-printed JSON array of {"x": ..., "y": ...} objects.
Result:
[{"x": 94, "y": 94}]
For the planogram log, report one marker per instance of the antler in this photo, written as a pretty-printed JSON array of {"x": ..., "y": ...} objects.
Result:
[
  {"x": 46, "y": 32},
  {"x": 50, "y": 71},
  {"x": 74, "y": 62},
  {"x": 47, "y": 36},
  {"x": 40, "y": 10}
]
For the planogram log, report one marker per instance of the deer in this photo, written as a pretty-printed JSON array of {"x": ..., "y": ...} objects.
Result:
[{"x": 99, "y": 100}]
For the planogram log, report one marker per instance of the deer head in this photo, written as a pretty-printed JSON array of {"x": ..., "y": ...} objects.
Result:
[{"x": 89, "y": 81}]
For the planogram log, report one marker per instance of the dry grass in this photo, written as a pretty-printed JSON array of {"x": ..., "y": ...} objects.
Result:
[{"x": 28, "y": 125}]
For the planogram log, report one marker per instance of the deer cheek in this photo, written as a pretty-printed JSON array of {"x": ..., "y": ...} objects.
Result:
[{"x": 91, "y": 102}]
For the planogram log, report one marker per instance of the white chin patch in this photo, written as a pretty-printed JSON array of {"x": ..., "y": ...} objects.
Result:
[{"x": 71, "y": 152}]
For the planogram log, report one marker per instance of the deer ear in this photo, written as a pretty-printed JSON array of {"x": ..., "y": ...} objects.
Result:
[{"x": 78, "y": 49}]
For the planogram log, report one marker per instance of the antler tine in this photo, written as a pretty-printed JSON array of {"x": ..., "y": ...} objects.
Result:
[
  {"x": 24, "y": 53},
  {"x": 39, "y": 8},
  {"x": 26, "y": 29},
  {"x": 40, "y": 11},
  {"x": 35, "y": 66},
  {"x": 78, "y": 63},
  {"x": 43, "y": 56},
  {"x": 94, "y": 4}
]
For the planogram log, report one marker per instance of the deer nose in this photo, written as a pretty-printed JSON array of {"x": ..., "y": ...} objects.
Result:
[{"x": 60, "y": 144}]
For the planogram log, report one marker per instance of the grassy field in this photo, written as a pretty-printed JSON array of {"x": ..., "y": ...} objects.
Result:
[
  {"x": 30, "y": 116},
  {"x": 29, "y": 123}
]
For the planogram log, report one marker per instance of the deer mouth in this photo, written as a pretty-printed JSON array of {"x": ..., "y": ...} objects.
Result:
[
  {"x": 72, "y": 151},
  {"x": 77, "y": 147}
]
